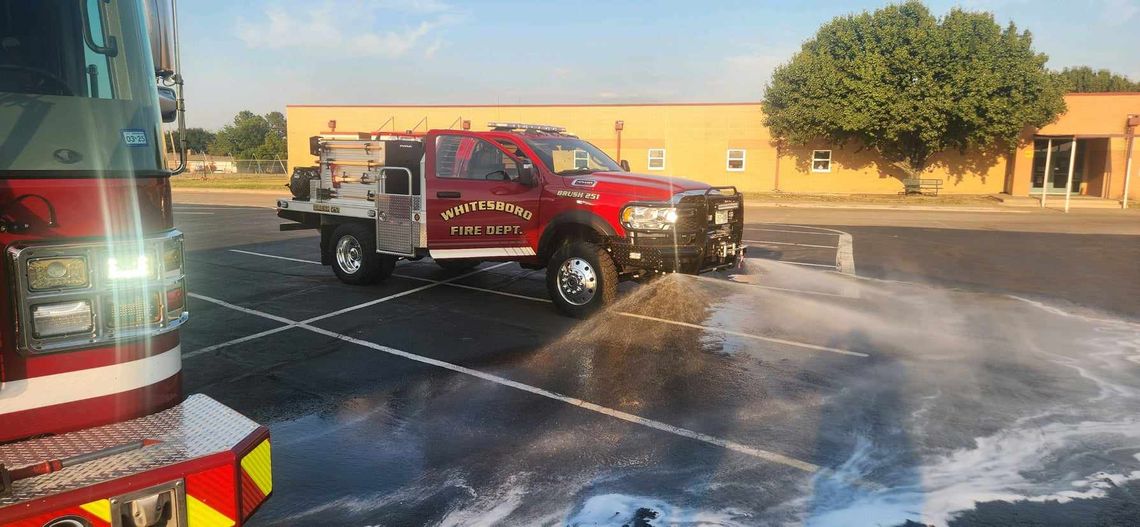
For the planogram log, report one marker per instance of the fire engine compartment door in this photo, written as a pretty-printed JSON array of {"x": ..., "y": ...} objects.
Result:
[
  {"x": 477, "y": 207},
  {"x": 396, "y": 230}
]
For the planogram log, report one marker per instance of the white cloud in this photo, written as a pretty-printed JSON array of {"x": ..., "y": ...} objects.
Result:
[{"x": 355, "y": 27}]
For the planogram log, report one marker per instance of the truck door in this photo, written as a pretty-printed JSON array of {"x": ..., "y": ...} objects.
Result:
[{"x": 477, "y": 207}]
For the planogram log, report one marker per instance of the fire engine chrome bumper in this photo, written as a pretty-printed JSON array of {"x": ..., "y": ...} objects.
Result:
[
  {"x": 202, "y": 458},
  {"x": 688, "y": 259}
]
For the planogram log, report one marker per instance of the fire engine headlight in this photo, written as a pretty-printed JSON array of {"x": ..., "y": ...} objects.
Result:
[
  {"x": 64, "y": 318},
  {"x": 131, "y": 267},
  {"x": 57, "y": 273},
  {"x": 648, "y": 218}
]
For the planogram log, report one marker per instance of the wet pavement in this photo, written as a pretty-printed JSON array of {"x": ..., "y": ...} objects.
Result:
[{"x": 784, "y": 394}]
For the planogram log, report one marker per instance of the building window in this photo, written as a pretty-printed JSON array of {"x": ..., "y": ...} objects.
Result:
[
  {"x": 656, "y": 159},
  {"x": 581, "y": 159},
  {"x": 735, "y": 161},
  {"x": 821, "y": 160}
]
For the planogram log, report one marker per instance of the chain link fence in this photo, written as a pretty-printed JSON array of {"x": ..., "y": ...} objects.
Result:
[{"x": 222, "y": 166}]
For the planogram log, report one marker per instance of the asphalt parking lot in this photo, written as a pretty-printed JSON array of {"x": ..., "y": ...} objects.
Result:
[{"x": 838, "y": 379}]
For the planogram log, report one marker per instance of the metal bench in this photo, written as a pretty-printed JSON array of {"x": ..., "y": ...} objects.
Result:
[{"x": 921, "y": 186}]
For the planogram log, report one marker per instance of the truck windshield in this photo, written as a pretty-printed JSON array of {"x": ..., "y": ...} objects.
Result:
[
  {"x": 567, "y": 156},
  {"x": 77, "y": 90}
]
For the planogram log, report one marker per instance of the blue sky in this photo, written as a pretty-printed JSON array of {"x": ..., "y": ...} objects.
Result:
[{"x": 263, "y": 54}]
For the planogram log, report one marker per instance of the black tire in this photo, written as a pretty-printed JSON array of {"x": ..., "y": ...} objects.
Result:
[
  {"x": 359, "y": 246},
  {"x": 590, "y": 267},
  {"x": 458, "y": 265}
]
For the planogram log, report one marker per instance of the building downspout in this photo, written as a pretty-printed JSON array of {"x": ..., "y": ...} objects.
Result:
[
  {"x": 1133, "y": 122},
  {"x": 618, "y": 127}
]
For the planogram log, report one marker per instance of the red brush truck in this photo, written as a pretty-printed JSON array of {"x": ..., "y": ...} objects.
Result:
[
  {"x": 94, "y": 430},
  {"x": 518, "y": 192}
]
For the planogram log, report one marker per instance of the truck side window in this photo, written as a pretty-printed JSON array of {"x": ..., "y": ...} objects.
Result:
[{"x": 470, "y": 158}]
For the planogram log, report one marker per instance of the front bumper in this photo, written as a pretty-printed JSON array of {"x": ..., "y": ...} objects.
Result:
[
  {"x": 207, "y": 460},
  {"x": 716, "y": 256},
  {"x": 697, "y": 244}
]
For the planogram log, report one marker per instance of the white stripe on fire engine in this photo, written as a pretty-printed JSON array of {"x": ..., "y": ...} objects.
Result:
[
  {"x": 488, "y": 252},
  {"x": 38, "y": 392}
]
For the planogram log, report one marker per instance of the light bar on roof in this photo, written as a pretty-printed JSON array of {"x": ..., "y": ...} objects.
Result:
[{"x": 524, "y": 126}]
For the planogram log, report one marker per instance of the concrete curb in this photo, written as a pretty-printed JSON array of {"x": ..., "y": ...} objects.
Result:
[{"x": 283, "y": 192}]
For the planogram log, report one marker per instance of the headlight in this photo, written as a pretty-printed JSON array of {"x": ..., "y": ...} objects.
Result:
[
  {"x": 83, "y": 295},
  {"x": 57, "y": 273},
  {"x": 131, "y": 266},
  {"x": 648, "y": 218},
  {"x": 132, "y": 309},
  {"x": 64, "y": 318}
]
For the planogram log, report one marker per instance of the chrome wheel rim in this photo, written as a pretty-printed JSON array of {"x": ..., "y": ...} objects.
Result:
[
  {"x": 349, "y": 255},
  {"x": 577, "y": 281}
]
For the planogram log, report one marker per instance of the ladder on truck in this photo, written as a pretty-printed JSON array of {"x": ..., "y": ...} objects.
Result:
[{"x": 369, "y": 178}]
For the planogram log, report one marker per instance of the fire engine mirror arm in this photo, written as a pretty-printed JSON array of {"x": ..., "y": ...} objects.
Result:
[{"x": 162, "y": 25}]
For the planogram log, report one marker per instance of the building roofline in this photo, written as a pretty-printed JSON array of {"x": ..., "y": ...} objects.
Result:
[
  {"x": 561, "y": 105},
  {"x": 1102, "y": 93}
]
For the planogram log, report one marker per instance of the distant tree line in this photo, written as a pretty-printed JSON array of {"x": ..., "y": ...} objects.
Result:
[
  {"x": 250, "y": 136},
  {"x": 1083, "y": 79}
]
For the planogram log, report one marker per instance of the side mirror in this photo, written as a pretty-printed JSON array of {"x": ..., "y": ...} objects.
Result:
[
  {"x": 624, "y": 165},
  {"x": 526, "y": 174},
  {"x": 160, "y": 27},
  {"x": 168, "y": 104}
]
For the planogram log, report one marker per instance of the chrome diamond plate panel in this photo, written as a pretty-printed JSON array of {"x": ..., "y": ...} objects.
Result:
[
  {"x": 396, "y": 231},
  {"x": 198, "y": 427}
]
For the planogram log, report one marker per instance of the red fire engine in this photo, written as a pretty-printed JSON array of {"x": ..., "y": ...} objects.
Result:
[
  {"x": 518, "y": 192},
  {"x": 93, "y": 428}
]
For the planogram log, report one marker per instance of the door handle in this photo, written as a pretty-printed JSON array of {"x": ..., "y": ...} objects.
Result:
[{"x": 448, "y": 194}]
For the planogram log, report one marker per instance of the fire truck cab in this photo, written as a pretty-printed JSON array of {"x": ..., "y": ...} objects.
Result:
[
  {"x": 528, "y": 193},
  {"x": 94, "y": 429}
]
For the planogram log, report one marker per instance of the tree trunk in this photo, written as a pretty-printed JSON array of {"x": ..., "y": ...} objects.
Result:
[{"x": 908, "y": 169}]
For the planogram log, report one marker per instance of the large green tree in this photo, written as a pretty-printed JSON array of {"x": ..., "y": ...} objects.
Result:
[
  {"x": 908, "y": 85},
  {"x": 1084, "y": 79},
  {"x": 252, "y": 136}
]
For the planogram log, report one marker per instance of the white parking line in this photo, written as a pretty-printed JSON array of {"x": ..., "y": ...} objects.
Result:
[
  {"x": 771, "y": 287},
  {"x": 232, "y": 342},
  {"x": 746, "y": 335},
  {"x": 844, "y": 255},
  {"x": 291, "y": 324},
  {"x": 765, "y": 455},
  {"x": 844, "y": 251},
  {"x": 783, "y": 230},
  {"x": 403, "y": 293},
  {"x": 448, "y": 282},
  {"x": 765, "y": 242},
  {"x": 194, "y": 213},
  {"x": 809, "y": 264},
  {"x": 473, "y": 288},
  {"x": 263, "y": 255}
]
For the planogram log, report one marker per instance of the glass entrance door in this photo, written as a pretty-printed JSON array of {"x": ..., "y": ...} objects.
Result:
[{"x": 1058, "y": 165}]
